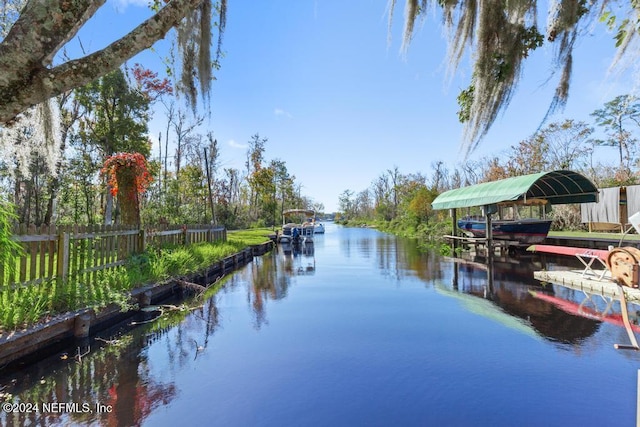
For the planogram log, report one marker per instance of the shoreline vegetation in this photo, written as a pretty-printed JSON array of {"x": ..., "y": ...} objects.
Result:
[
  {"x": 429, "y": 234},
  {"x": 24, "y": 306},
  {"x": 430, "y": 237}
]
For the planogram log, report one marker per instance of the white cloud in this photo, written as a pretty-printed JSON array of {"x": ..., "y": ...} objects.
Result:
[
  {"x": 233, "y": 144},
  {"x": 281, "y": 112}
]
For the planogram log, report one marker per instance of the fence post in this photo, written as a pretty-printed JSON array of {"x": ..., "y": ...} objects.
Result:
[
  {"x": 63, "y": 255},
  {"x": 184, "y": 235},
  {"x": 142, "y": 240}
]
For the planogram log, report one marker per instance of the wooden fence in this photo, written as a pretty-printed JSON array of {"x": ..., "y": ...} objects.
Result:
[{"x": 81, "y": 251}]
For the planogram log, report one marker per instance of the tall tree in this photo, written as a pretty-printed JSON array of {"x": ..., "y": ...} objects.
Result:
[
  {"x": 115, "y": 120},
  {"x": 615, "y": 118},
  {"x": 346, "y": 203},
  {"x": 568, "y": 144},
  {"x": 255, "y": 157}
]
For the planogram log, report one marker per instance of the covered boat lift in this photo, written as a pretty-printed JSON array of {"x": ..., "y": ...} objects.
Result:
[{"x": 555, "y": 187}]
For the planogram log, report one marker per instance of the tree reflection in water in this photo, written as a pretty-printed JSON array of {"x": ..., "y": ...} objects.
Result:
[{"x": 115, "y": 373}]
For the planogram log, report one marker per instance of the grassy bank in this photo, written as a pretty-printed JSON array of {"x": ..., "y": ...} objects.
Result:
[{"x": 21, "y": 306}]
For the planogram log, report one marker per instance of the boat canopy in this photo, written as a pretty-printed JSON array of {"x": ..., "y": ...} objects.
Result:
[
  {"x": 556, "y": 187},
  {"x": 309, "y": 212}
]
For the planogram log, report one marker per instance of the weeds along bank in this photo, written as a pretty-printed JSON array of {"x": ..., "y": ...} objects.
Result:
[{"x": 24, "y": 305}]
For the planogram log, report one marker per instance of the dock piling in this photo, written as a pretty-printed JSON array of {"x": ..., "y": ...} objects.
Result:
[{"x": 81, "y": 325}]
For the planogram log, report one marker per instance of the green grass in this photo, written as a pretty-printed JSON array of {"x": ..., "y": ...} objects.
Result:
[
  {"x": 252, "y": 236},
  {"x": 21, "y": 306}
]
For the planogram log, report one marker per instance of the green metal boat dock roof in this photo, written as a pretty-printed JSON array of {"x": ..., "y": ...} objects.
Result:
[{"x": 556, "y": 187}]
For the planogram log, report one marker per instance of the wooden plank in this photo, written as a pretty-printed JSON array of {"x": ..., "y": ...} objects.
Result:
[
  {"x": 101, "y": 248},
  {"x": 464, "y": 238},
  {"x": 76, "y": 249},
  {"x": 22, "y": 275},
  {"x": 33, "y": 255},
  {"x": 42, "y": 252},
  {"x": 575, "y": 280},
  {"x": 167, "y": 232},
  {"x": 82, "y": 252},
  {"x": 85, "y": 235},
  {"x": 35, "y": 238},
  {"x": 62, "y": 255},
  {"x": 113, "y": 249},
  {"x": 52, "y": 252}
]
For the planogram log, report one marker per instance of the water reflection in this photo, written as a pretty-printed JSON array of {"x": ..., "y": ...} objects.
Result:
[
  {"x": 298, "y": 259},
  {"x": 110, "y": 379},
  {"x": 396, "y": 258},
  {"x": 311, "y": 336},
  {"x": 595, "y": 307},
  {"x": 115, "y": 376},
  {"x": 562, "y": 315}
]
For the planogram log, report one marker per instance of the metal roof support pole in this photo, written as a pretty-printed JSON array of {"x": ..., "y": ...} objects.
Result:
[
  {"x": 488, "y": 228},
  {"x": 453, "y": 212}
]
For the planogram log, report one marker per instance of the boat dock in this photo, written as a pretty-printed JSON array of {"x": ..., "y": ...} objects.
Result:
[
  {"x": 594, "y": 242},
  {"x": 539, "y": 189},
  {"x": 480, "y": 243},
  {"x": 581, "y": 281}
]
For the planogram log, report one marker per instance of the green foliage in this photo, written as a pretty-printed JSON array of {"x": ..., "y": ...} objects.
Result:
[
  {"x": 566, "y": 218},
  {"x": 24, "y": 305},
  {"x": 248, "y": 237},
  {"x": 117, "y": 115},
  {"x": 465, "y": 101},
  {"x": 9, "y": 249}
]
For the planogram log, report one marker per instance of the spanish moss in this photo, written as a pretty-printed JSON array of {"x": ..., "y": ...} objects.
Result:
[
  {"x": 500, "y": 35},
  {"x": 194, "y": 44}
]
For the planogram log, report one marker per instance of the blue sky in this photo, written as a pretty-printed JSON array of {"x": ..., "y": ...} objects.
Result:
[{"x": 340, "y": 105}]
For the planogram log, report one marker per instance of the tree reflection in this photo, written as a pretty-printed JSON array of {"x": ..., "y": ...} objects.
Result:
[
  {"x": 115, "y": 373},
  {"x": 400, "y": 258},
  {"x": 510, "y": 290},
  {"x": 115, "y": 376}
]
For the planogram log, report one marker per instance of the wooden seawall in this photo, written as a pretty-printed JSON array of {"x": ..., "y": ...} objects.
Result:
[{"x": 80, "y": 324}]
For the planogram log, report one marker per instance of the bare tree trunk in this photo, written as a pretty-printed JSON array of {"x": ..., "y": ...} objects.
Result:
[{"x": 108, "y": 209}]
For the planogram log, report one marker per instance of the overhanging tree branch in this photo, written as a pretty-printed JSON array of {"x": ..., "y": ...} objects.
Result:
[{"x": 25, "y": 83}]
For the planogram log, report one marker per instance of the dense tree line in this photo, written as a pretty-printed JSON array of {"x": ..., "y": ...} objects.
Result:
[
  {"x": 110, "y": 115},
  {"x": 63, "y": 116},
  {"x": 403, "y": 201}
]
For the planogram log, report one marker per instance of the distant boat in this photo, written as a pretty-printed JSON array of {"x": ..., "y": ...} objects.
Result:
[
  {"x": 295, "y": 232},
  {"x": 529, "y": 230},
  {"x": 318, "y": 227}
]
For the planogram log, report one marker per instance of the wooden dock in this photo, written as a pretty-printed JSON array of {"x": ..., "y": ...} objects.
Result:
[
  {"x": 503, "y": 246},
  {"x": 579, "y": 280}
]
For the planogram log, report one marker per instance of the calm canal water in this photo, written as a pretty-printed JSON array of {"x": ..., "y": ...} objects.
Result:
[{"x": 362, "y": 330}]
